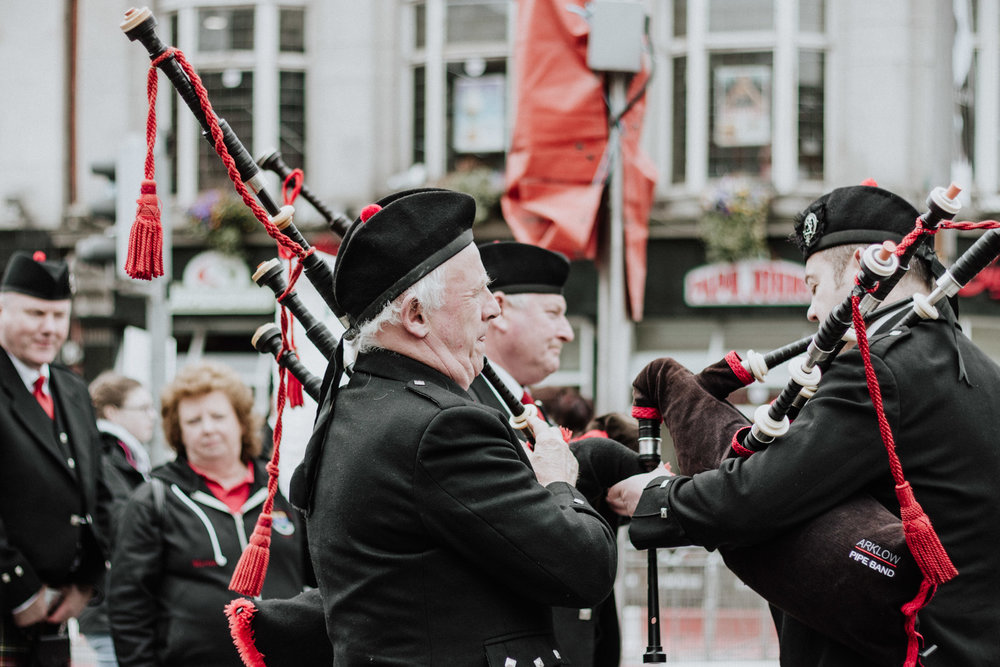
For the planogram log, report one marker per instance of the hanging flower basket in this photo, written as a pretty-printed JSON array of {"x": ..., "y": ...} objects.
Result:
[
  {"x": 484, "y": 184},
  {"x": 222, "y": 220},
  {"x": 733, "y": 223}
]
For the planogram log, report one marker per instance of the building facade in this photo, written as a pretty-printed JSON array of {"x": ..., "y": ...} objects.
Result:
[{"x": 787, "y": 98}]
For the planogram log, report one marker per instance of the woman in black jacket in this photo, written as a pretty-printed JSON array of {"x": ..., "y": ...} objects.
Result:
[
  {"x": 126, "y": 419},
  {"x": 182, "y": 533}
]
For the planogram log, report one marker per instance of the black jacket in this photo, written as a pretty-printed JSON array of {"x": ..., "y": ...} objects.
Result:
[
  {"x": 940, "y": 395},
  {"x": 433, "y": 543},
  {"x": 590, "y": 637},
  {"x": 170, "y": 570},
  {"x": 121, "y": 479},
  {"x": 54, "y": 506}
]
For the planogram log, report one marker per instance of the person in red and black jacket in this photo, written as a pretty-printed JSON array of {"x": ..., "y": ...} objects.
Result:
[
  {"x": 54, "y": 506},
  {"x": 182, "y": 534}
]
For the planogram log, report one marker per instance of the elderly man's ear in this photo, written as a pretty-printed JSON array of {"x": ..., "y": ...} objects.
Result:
[{"x": 413, "y": 318}]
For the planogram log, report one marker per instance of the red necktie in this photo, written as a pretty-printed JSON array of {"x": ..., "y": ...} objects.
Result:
[
  {"x": 44, "y": 399},
  {"x": 526, "y": 398}
]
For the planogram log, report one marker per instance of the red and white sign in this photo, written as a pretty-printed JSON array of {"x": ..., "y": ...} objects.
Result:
[{"x": 747, "y": 283}]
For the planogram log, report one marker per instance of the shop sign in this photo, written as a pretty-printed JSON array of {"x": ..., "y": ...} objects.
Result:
[
  {"x": 747, "y": 283},
  {"x": 215, "y": 283}
]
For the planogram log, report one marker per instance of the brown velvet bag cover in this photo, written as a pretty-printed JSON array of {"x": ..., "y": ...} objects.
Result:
[{"x": 821, "y": 573}]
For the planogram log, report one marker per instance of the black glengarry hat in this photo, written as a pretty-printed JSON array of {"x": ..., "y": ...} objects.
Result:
[
  {"x": 35, "y": 275},
  {"x": 522, "y": 268},
  {"x": 396, "y": 242},
  {"x": 855, "y": 214},
  {"x": 859, "y": 214}
]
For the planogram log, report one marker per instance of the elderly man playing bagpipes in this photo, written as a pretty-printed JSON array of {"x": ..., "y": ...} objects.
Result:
[{"x": 906, "y": 419}]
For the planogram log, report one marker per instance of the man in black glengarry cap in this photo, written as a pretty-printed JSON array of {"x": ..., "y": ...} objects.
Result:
[
  {"x": 523, "y": 345},
  {"x": 939, "y": 393},
  {"x": 437, "y": 538},
  {"x": 53, "y": 504}
]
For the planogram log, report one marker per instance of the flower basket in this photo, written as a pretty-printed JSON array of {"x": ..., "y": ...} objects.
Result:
[
  {"x": 222, "y": 220},
  {"x": 733, "y": 223}
]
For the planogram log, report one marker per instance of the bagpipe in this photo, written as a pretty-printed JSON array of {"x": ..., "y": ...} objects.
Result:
[
  {"x": 145, "y": 261},
  {"x": 858, "y": 606}
]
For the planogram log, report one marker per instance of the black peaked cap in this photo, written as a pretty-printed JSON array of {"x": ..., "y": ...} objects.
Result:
[
  {"x": 522, "y": 268},
  {"x": 34, "y": 275},
  {"x": 409, "y": 235},
  {"x": 855, "y": 214}
]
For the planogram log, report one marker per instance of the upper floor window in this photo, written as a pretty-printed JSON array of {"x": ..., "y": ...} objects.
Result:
[
  {"x": 225, "y": 29},
  {"x": 458, "y": 83},
  {"x": 229, "y": 61},
  {"x": 748, "y": 90}
]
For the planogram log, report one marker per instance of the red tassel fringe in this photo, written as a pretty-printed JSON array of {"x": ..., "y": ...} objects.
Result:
[
  {"x": 248, "y": 577},
  {"x": 145, "y": 242},
  {"x": 923, "y": 541},
  {"x": 293, "y": 389},
  {"x": 240, "y": 613}
]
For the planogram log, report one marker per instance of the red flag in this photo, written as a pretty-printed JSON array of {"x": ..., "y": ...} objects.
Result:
[{"x": 557, "y": 164}]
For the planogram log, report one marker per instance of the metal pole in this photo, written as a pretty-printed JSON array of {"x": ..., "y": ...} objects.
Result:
[{"x": 614, "y": 342}]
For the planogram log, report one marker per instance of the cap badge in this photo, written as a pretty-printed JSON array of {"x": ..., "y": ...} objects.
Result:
[{"x": 809, "y": 226}]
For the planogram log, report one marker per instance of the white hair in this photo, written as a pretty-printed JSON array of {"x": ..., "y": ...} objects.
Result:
[{"x": 429, "y": 292}]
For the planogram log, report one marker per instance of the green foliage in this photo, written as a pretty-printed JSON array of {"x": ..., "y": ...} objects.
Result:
[
  {"x": 484, "y": 184},
  {"x": 222, "y": 219},
  {"x": 733, "y": 224}
]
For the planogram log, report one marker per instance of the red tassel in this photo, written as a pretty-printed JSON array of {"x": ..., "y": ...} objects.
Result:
[
  {"x": 293, "y": 389},
  {"x": 248, "y": 577},
  {"x": 923, "y": 541},
  {"x": 240, "y": 613},
  {"x": 913, "y": 638},
  {"x": 145, "y": 242}
]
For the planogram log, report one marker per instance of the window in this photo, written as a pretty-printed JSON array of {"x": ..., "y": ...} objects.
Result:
[
  {"x": 679, "y": 171},
  {"x": 458, "y": 84},
  {"x": 229, "y": 61},
  {"x": 476, "y": 113},
  {"x": 225, "y": 29},
  {"x": 291, "y": 31},
  {"x": 740, "y": 15},
  {"x": 748, "y": 90},
  {"x": 740, "y": 120},
  {"x": 292, "y": 117},
  {"x": 471, "y": 21},
  {"x": 811, "y": 99},
  {"x": 231, "y": 94}
]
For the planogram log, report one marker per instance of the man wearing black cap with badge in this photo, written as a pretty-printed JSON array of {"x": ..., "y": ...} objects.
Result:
[
  {"x": 51, "y": 553},
  {"x": 524, "y": 343},
  {"x": 940, "y": 394},
  {"x": 523, "y": 346},
  {"x": 437, "y": 538}
]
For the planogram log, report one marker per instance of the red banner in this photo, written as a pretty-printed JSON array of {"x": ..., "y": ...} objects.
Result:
[{"x": 557, "y": 165}]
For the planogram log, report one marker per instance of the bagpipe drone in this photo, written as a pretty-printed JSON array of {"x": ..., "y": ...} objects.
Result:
[
  {"x": 145, "y": 254},
  {"x": 873, "y": 614}
]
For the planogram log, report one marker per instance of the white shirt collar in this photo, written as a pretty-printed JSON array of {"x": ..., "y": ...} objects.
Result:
[{"x": 30, "y": 375}]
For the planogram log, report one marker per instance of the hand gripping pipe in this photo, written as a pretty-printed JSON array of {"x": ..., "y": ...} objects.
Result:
[
  {"x": 267, "y": 340},
  {"x": 140, "y": 25}
]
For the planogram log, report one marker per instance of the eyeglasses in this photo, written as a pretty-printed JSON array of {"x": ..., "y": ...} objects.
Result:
[{"x": 139, "y": 408}]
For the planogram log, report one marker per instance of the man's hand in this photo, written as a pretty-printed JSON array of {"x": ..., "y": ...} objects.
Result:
[
  {"x": 70, "y": 604},
  {"x": 624, "y": 496},
  {"x": 551, "y": 459},
  {"x": 35, "y": 612}
]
